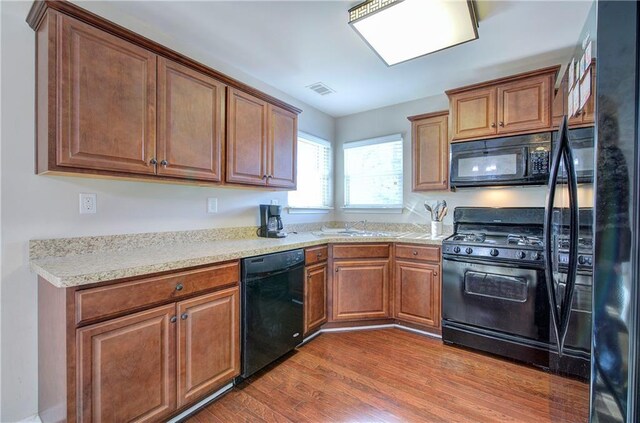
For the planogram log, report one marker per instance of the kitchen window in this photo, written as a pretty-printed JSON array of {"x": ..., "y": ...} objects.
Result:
[
  {"x": 313, "y": 194},
  {"x": 373, "y": 173}
]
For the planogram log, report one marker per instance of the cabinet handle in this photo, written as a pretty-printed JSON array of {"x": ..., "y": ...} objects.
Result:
[
  {"x": 184, "y": 316},
  {"x": 501, "y": 123},
  {"x": 179, "y": 287},
  {"x": 153, "y": 161},
  {"x": 264, "y": 176},
  {"x": 269, "y": 176},
  {"x": 337, "y": 269},
  {"x": 415, "y": 253},
  {"x": 493, "y": 124},
  {"x": 435, "y": 273},
  {"x": 164, "y": 163},
  {"x": 319, "y": 255},
  {"x": 173, "y": 319},
  {"x": 308, "y": 276}
]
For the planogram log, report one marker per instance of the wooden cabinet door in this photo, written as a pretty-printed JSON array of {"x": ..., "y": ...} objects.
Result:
[
  {"x": 525, "y": 105},
  {"x": 283, "y": 143},
  {"x": 190, "y": 123},
  {"x": 246, "y": 138},
  {"x": 417, "y": 293},
  {"x": 315, "y": 296},
  {"x": 127, "y": 368},
  {"x": 107, "y": 101},
  {"x": 473, "y": 113},
  {"x": 430, "y": 149},
  {"x": 360, "y": 289},
  {"x": 208, "y": 343}
]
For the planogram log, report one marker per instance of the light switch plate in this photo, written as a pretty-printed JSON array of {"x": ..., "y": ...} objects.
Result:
[
  {"x": 212, "y": 205},
  {"x": 88, "y": 203}
]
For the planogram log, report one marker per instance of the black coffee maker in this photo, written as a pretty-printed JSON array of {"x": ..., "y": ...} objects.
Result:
[{"x": 271, "y": 222}]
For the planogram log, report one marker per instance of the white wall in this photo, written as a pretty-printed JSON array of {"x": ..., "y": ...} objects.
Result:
[
  {"x": 45, "y": 206},
  {"x": 393, "y": 120}
]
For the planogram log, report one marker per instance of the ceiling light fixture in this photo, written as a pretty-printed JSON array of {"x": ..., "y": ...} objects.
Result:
[{"x": 401, "y": 30}]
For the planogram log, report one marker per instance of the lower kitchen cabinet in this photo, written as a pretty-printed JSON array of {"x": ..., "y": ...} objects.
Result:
[
  {"x": 126, "y": 368},
  {"x": 108, "y": 357},
  {"x": 417, "y": 283},
  {"x": 208, "y": 343},
  {"x": 360, "y": 289},
  {"x": 417, "y": 293},
  {"x": 315, "y": 296}
]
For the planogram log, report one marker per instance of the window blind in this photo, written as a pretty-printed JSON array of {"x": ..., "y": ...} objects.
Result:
[{"x": 314, "y": 174}]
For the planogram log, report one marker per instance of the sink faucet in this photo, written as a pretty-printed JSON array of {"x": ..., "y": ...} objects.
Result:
[{"x": 350, "y": 226}]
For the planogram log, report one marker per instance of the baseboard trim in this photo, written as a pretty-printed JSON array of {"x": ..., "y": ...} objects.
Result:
[
  {"x": 372, "y": 327},
  {"x": 189, "y": 411},
  {"x": 354, "y": 328},
  {"x": 421, "y": 332},
  {"x": 31, "y": 419}
]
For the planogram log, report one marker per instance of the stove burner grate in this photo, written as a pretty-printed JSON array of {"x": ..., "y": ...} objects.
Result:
[{"x": 524, "y": 240}]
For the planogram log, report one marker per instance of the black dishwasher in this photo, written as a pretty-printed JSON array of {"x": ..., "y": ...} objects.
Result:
[{"x": 272, "y": 301}]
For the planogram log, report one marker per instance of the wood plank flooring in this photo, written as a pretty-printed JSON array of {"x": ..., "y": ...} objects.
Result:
[{"x": 393, "y": 375}]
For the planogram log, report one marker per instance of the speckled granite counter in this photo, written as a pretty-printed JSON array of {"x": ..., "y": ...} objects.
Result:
[{"x": 91, "y": 260}]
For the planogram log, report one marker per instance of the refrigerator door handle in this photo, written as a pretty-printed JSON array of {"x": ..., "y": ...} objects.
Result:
[{"x": 560, "y": 313}]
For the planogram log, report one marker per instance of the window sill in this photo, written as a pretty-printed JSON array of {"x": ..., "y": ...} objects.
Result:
[
  {"x": 373, "y": 210},
  {"x": 309, "y": 210}
]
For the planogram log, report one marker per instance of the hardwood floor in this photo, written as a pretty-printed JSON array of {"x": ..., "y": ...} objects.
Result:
[{"x": 392, "y": 375}]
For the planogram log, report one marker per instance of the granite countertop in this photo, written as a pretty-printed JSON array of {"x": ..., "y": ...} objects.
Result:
[{"x": 77, "y": 268}]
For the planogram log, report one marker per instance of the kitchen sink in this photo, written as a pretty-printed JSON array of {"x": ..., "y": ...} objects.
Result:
[{"x": 352, "y": 233}]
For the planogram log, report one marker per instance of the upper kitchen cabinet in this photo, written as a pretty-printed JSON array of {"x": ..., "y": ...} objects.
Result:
[
  {"x": 106, "y": 102},
  {"x": 261, "y": 142},
  {"x": 110, "y": 102},
  {"x": 585, "y": 115},
  {"x": 514, "y": 105},
  {"x": 430, "y": 151},
  {"x": 190, "y": 122}
]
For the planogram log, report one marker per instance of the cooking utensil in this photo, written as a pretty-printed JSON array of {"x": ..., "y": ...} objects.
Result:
[{"x": 429, "y": 209}]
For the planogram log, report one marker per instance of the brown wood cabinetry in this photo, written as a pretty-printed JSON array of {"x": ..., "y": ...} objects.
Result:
[
  {"x": 360, "y": 282},
  {"x": 126, "y": 368},
  {"x": 261, "y": 142},
  {"x": 315, "y": 296},
  {"x": 417, "y": 283},
  {"x": 584, "y": 116},
  {"x": 112, "y": 103},
  {"x": 170, "y": 349},
  {"x": 107, "y": 100},
  {"x": 430, "y": 151},
  {"x": 514, "y": 105},
  {"x": 190, "y": 123},
  {"x": 208, "y": 343}
]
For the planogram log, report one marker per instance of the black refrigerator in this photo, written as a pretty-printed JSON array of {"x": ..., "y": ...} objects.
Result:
[{"x": 605, "y": 67}]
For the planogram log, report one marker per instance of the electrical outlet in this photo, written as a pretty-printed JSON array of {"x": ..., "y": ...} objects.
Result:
[
  {"x": 275, "y": 202},
  {"x": 212, "y": 205},
  {"x": 88, "y": 203}
]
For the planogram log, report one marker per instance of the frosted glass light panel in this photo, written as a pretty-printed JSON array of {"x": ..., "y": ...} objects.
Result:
[
  {"x": 314, "y": 174},
  {"x": 373, "y": 173},
  {"x": 401, "y": 30}
]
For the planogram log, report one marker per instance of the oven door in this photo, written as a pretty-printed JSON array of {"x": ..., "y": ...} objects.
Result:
[
  {"x": 491, "y": 166},
  {"x": 503, "y": 298}
]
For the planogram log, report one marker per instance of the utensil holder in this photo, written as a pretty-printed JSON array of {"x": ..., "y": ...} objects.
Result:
[{"x": 436, "y": 229}]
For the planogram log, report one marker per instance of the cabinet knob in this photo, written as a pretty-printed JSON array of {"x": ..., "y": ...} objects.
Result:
[
  {"x": 164, "y": 163},
  {"x": 337, "y": 269},
  {"x": 269, "y": 176},
  {"x": 435, "y": 273},
  {"x": 319, "y": 255},
  {"x": 264, "y": 176},
  {"x": 184, "y": 316},
  {"x": 153, "y": 161},
  {"x": 415, "y": 253},
  {"x": 173, "y": 319},
  {"x": 493, "y": 124},
  {"x": 179, "y": 287},
  {"x": 501, "y": 123}
]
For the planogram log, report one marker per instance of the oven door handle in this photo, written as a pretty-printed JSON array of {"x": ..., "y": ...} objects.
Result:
[{"x": 560, "y": 313}]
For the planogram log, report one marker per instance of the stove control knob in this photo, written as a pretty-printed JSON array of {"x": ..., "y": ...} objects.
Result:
[
  {"x": 456, "y": 250},
  {"x": 582, "y": 260},
  {"x": 494, "y": 252},
  {"x": 468, "y": 250},
  {"x": 537, "y": 256},
  {"x": 521, "y": 254}
]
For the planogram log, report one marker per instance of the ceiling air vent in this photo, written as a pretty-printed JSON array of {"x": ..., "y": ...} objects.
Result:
[{"x": 320, "y": 88}]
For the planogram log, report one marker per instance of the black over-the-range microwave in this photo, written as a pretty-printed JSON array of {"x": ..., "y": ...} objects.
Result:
[{"x": 517, "y": 160}]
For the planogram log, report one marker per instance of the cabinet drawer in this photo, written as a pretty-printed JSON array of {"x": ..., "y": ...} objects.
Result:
[
  {"x": 351, "y": 251},
  {"x": 104, "y": 301},
  {"x": 316, "y": 255},
  {"x": 416, "y": 252}
]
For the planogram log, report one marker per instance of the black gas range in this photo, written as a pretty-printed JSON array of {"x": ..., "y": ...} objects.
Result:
[{"x": 494, "y": 287}]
